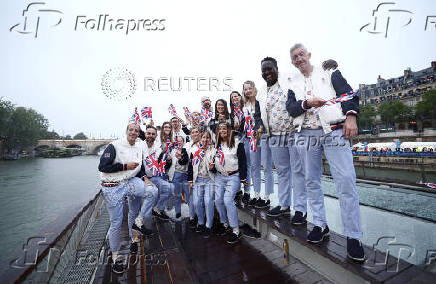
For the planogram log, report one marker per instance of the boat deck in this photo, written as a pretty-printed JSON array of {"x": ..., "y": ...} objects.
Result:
[{"x": 176, "y": 254}]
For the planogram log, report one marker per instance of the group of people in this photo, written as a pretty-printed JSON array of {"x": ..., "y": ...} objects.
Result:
[{"x": 288, "y": 123}]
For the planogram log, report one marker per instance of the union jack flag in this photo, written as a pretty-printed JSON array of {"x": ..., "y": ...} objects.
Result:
[
  {"x": 169, "y": 145},
  {"x": 251, "y": 135},
  {"x": 146, "y": 112},
  {"x": 135, "y": 117},
  {"x": 172, "y": 110},
  {"x": 153, "y": 164},
  {"x": 428, "y": 184},
  {"x": 198, "y": 156},
  {"x": 431, "y": 185},
  {"x": 205, "y": 115},
  {"x": 238, "y": 112},
  {"x": 248, "y": 122},
  {"x": 187, "y": 112},
  {"x": 162, "y": 164},
  {"x": 220, "y": 155},
  {"x": 342, "y": 98}
]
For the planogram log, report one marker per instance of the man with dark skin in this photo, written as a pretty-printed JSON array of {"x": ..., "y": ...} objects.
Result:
[{"x": 277, "y": 123}]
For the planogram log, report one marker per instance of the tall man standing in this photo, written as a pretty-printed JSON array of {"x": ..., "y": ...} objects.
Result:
[
  {"x": 326, "y": 129},
  {"x": 278, "y": 125},
  {"x": 122, "y": 175}
]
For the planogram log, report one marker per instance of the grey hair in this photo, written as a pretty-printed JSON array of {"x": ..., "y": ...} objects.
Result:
[{"x": 297, "y": 45}]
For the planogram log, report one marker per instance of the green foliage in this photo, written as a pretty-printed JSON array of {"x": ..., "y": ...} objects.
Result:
[
  {"x": 19, "y": 126},
  {"x": 394, "y": 111},
  {"x": 6, "y": 110},
  {"x": 52, "y": 135},
  {"x": 26, "y": 127},
  {"x": 80, "y": 136},
  {"x": 366, "y": 117},
  {"x": 68, "y": 137},
  {"x": 427, "y": 107}
]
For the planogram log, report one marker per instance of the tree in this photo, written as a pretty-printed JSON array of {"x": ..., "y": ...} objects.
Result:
[
  {"x": 427, "y": 107},
  {"x": 366, "y": 117},
  {"x": 26, "y": 127},
  {"x": 51, "y": 135},
  {"x": 6, "y": 110},
  {"x": 394, "y": 111},
  {"x": 80, "y": 136},
  {"x": 68, "y": 137}
]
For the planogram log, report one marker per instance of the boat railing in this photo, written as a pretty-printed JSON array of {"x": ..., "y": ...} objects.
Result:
[{"x": 55, "y": 249}]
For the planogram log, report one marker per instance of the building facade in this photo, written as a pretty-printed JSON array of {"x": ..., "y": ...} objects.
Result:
[{"x": 408, "y": 88}]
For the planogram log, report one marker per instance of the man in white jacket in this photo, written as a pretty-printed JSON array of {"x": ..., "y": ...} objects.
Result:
[
  {"x": 325, "y": 128},
  {"x": 122, "y": 174},
  {"x": 278, "y": 126}
]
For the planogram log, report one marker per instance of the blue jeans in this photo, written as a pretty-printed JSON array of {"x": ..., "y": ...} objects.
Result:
[
  {"x": 311, "y": 144},
  {"x": 262, "y": 157},
  {"x": 181, "y": 185},
  {"x": 246, "y": 142},
  {"x": 290, "y": 172},
  {"x": 135, "y": 191},
  {"x": 165, "y": 190},
  {"x": 203, "y": 193},
  {"x": 225, "y": 191}
]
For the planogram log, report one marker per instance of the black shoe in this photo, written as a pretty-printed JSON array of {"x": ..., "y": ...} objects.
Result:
[
  {"x": 234, "y": 238},
  {"x": 192, "y": 223},
  {"x": 299, "y": 218},
  {"x": 238, "y": 195},
  {"x": 133, "y": 248},
  {"x": 251, "y": 233},
  {"x": 355, "y": 250},
  {"x": 207, "y": 232},
  {"x": 161, "y": 215},
  {"x": 276, "y": 211},
  {"x": 246, "y": 197},
  {"x": 253, "y": 202},
  {"x": 143, "y": 230},
  {"x": 317, "y": 235},
  {"x": 220, "y": 229},
  {"x": 200, "y": 229},
  {"x": 119, "y": 267},
  {"x": 262, "y": 204},
  {"x": 178, "y": 215}
]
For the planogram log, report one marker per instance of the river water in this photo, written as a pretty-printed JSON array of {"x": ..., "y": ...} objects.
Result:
[{"x": 34, "y": 192}]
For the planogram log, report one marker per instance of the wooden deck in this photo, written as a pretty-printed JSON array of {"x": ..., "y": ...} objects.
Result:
[{"x": 176, "y": 254}]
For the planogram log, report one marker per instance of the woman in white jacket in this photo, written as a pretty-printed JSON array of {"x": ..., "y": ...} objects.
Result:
[
  {"x": 231, "y": 166},
  {"x": 200, "y": 179},
  {"x": 178, "y": 176}
]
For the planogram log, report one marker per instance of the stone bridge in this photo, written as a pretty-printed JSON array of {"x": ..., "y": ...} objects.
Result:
[{"x": 91, "y": 146}]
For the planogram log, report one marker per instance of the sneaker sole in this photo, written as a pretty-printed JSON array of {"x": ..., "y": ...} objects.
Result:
[
  {"x": 119, "y": 272},
  {"x": 271, "y": 215},
  {"x": 356, "y": 259},
  {"x": 237, "y": 240},
  {"x": 261, "y": 207},
  {"x": 298, "y": 223},
  {"x": 322, "y": 239},
  {"x": 251, "y": 237}
]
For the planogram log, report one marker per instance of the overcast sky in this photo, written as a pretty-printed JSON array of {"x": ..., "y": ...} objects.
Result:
[{"x": 59, "y": 73}]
